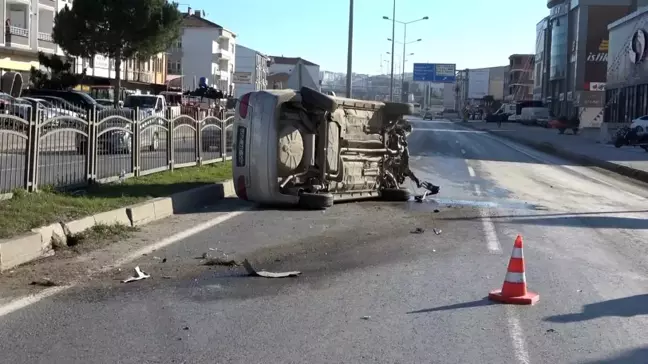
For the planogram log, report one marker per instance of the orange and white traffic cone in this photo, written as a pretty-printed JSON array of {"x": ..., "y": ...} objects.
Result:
[{"x": 514, "y": 290}]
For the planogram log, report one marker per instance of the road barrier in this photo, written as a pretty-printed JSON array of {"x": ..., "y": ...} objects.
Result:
[{"x": 69, "y": 146}]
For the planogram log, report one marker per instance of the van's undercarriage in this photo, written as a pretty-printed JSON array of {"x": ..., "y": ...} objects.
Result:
[{"x": 333, "y": 148}]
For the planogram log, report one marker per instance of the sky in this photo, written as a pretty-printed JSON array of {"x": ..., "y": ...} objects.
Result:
[{"x": 469, "y": 33}]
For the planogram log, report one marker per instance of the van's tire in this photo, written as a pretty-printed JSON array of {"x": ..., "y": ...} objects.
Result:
[
  {"x": 619, "y": 142},
  {"x": 317, "y": 99},
  {"x": 315, "y": 201},
  {"x": 398, "y": 109},
  {"x": 395, "y": 194}
]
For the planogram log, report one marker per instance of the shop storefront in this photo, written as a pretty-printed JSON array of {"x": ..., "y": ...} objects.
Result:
[{"x": 627, "y": 71}]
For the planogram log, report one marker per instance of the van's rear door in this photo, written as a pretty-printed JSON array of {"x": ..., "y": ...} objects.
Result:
[{"x": 241, "y": 144}]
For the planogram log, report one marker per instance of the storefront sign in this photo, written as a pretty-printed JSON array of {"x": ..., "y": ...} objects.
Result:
[
  {"x": 596, "y": 45},
  {"x": 590, "y": 99},
  {"x": 595, "y": 86}
]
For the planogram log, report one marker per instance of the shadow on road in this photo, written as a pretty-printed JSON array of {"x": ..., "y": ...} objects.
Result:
[
  {"x": 456, "y": 306},
  {"x": 620, "y": 307},
  {"x": 577, "y": 219},
  {"x": 634, "y": 356}
]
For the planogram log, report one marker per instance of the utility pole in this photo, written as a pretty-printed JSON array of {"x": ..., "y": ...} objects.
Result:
[
  {"x": 391, "y": 81},
  {"x": 350, "y": 51}
]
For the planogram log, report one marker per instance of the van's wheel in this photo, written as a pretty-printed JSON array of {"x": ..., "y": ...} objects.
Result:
[
  {"x": 619, "y": 142},
  {"x": 315, "y": 201},
  {"x": 561, "y": 130},
  {"x": 395, "y": 194}
]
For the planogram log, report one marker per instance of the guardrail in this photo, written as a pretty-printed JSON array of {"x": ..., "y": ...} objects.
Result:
[{"x": 63, "y": 148}]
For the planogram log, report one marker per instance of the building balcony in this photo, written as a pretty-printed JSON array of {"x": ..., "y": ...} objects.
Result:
[
  {"x": 48, "y": 3},
  {"x": 46, "y": 42},
  {"x": 222, "y": 54},
  {"x": 17, "y": 36}
]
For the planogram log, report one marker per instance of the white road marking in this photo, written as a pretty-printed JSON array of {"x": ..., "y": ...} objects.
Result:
[
  {"x": 513, "y": 323},
  {"x": 23, "y": 302},
  {"x": 492, "y": 242},
  {"x": 450, "y": 130},
  {"x": 463, "y": 151},
  {"x": 517, "y": 335},
  {"x": 471, "y": 172}
]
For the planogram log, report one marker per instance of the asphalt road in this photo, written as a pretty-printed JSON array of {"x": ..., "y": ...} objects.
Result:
[{"x": 371, "y": 291}]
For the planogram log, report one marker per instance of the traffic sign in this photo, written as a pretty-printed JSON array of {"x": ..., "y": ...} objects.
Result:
[{"x": 435, "y": 72}]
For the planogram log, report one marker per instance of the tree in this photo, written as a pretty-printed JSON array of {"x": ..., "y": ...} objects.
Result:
[
  {"x": 59, "y": 75},
  {"x": 118, "y": 29}
]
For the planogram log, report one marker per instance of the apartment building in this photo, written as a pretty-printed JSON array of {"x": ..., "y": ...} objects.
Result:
[
  {"x": 251, "y": 71},
  {"x": 28, "y": 29},
  {"x": 520, "y": 78},
  {"x": 205, "y": 49}
]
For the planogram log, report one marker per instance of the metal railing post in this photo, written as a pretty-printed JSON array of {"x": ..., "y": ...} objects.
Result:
[
  {"x": 198, "y": 140},
  {"x": 136, "y": 142},
  {"x": 91, "y": 147},
  {"x": 223, "y": 141},
  {"x": 170, "y": 146},
  {"x": 33, "y": 143}
]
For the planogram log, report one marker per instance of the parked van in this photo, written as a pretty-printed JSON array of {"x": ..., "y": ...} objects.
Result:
[{"x": 535, "y": 116}]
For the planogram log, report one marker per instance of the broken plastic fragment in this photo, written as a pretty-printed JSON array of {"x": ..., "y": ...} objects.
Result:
[
  {"x": 253, "y": 272},
  {"x": 139, "y": 275}
]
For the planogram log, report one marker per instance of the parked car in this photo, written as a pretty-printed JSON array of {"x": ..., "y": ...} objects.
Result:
[
  {"x": 75, "y": 97},
  {"x": 429, "y": 115}
]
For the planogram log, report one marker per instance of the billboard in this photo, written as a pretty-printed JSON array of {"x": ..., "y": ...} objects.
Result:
[
  {"x": 435, "y": 72},
  {"x": 242, "y": 77},
  {"x": 596, "y": 45},
  {"x": 478, "y": 83}
]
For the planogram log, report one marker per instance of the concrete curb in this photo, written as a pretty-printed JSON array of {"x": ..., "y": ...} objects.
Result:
[
  {"x": 40, "y": 242},
  {"x": 550, "y": 148}
]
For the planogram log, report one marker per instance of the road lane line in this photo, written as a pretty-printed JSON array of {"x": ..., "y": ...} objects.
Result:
[
  {"x": 471, "y": 172},
  {"x": 26, "y": 301},
  {"x": 517, "y": 335},
  {"x": 492, "y": 242},
  {"x": 513, "y": 322}
]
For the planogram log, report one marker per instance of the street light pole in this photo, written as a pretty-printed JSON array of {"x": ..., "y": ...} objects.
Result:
[
  {"x": 349, "y": 51},
  {"x": 391, "y": 80},
  {"x": 403, "y": 74},
  {"x": 393, "y": 40}
]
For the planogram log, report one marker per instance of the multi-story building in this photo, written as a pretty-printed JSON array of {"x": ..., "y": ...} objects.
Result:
[
  {"x": 539, "y": 69},
  {"x": 576, "y": 55},
  {"x": 28, "y": 29},
  {"x": 205, "y": 49},
  {"x": 520, "y": 77},
  {"x": 251, "y": 73},
  {"x": 627, "y": 83},
  {"x": 281, "y": 68}
]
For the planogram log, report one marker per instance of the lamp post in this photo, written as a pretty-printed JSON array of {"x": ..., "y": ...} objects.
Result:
[
  {"x": 405, "y": 43},
  {"x": 349, "y": 51}
]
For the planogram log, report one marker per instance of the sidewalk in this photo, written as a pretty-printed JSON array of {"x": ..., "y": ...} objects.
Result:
[{"x": 628, "y": 161}]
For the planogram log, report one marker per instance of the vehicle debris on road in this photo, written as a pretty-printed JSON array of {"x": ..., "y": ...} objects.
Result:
[
  {"x": 417, "y": 231},
  {"x": 262, "y": 273},
  {"x": 223, "y": 260},
  {"x": 44, "y": 282},
  {"x": 139, "y": 275}
]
